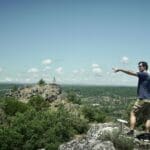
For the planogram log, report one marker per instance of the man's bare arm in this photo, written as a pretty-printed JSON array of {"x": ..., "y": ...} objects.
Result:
[{"x": 125, "y": 71}]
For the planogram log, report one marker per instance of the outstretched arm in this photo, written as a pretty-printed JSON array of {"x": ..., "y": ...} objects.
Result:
[{"x": 125, "y": 71}]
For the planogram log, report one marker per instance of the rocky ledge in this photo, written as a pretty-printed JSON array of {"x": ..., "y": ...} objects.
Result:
[
  {"x": 105, "y": 136},
  {"x": 49, "y": 92}
]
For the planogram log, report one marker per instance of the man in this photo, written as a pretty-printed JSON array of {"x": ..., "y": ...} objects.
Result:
[{"x": 142, "y": 105}]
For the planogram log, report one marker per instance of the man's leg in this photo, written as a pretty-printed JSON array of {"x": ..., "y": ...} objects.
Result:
[
  {"x": 147, "y": 125},
  {"x": 134, "y": 111},
  {"x": 132, "y": 123},
  {"x": 147, "y": 115},
  {"x": 132, "y": 120}
]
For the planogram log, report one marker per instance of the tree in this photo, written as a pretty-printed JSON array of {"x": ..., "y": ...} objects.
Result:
[
  {"x": 73, "y": 97},
  {"x": 41, "y": 82},
  {"x": 14, "y": 88},
  {"x": 38, "y": 103}
]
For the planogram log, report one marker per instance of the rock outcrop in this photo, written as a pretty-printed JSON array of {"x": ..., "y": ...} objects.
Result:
[
  {"x": 49, "y": 92},
  {"x": 105, "y": 136},
  {"x": 92, "y": 141}
]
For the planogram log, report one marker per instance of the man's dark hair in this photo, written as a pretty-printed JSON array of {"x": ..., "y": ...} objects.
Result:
[{"x": 144, "y": 64}]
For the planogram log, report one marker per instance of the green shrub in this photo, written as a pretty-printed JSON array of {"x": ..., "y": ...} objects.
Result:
[
  {"x": 38, "y": 103},
  {"x": 41, "y": 82},
  {"x": 11, "y": 106},
  {"x": 80, "y": 125},
  {"x": 14, "y": 88},
  {"x": 40, "y": 129},
  {"x": 71, "y": 96},
  {"x": 93, "y": 113},
  {"x": 10, "y": 139}
]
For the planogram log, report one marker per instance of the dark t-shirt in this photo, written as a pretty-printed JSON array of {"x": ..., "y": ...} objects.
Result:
[{"x": 143, "y": 90}]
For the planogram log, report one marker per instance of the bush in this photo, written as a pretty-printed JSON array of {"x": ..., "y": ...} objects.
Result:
[
  {"x": 71, "y": 96},
  {"x": 93, "y": 113},
  {"x": 41, "y": 82},
  {"x": 38, "y": 103},
  {"x": 40, "y": 129},
  {"x": 10, "y": 139},
  {"x": 80, "y": 125},
  {"x": 14, "y": 88},
  {"x": 11, "y": 106}
]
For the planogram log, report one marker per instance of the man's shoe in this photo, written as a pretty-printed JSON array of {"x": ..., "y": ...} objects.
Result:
[
  {"x": 144, "y": 136},
  {"x": 130, "y": 133}
]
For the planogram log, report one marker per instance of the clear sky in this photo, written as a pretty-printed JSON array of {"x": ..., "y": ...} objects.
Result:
[{"x": 77, "y": 41}]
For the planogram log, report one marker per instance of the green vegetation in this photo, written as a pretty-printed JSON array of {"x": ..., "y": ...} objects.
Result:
[
  {"x": 5, "y": 88},
  {"x": 12, "y": 106},
  {"x": 28, "y": 126},
  {"x": 72, "y": 96},
  {"x": 36, "y": 125},
  {"x": 93, "y": 113},
  {"x": 112, "y": 91},
  {"x": 116, "y": 102},
  {"x": 14, "y": 88},
  {"x": 41, "y": 82},
  {"x": 38, "y": 103}
]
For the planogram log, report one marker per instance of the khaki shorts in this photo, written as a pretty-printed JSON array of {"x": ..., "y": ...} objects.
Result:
[{"x": 141, "y": 109}]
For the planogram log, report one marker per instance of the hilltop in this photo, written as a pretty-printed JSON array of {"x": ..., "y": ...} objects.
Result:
[
  {"x": 48, "y": 116},
  {"x": 49, "y": 92}
]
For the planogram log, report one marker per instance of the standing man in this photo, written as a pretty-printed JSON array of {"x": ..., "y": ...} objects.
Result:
[{"x": 142, "y": 105}]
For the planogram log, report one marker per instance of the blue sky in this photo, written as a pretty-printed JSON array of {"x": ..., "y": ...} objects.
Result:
[{"x": 77, "y": 41}]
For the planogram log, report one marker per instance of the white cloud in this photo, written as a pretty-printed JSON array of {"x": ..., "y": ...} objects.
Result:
[
  {"x": 79, "y": 71},
  {"x": 108, "y": 73},
  {"x": 1, "y": 69},
  {"x": 27, "y": 80},
  {"x": 47, "y": 62},
  {"x": 16, "y": 79},
  {"x": 82, "y": 70},
  {"x": 44, "y": 75},
  {"x": 35, "y": 75},
  {"x": 47, "y": 79},
  {"x": 8, "y": 79},
  {"x": 75, "y": 71},
  {"x": 125, "y": 60},
  {"x": 18, "y": 75},
  {"x": 59, "y": 70},
  {"x": 33, "y": 70},
  {"x": 97, "y": 71},
  {"x": 59, "y": 80},
  {"x": 47, "y": 68},
  {"x": 95, "y": 65}
]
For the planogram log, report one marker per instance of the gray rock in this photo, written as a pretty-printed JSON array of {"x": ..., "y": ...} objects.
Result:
[
  {"x": 106, "y": 145},
  {"x": 49, "y": 92},
  {"x": 92, "y": 141}
]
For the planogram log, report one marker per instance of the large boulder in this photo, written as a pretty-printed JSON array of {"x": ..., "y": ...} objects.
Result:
[
  {"x": 88, "y": 145},
  {"x": 106, "y": 136},
  {"x": 93, "y": 139}
]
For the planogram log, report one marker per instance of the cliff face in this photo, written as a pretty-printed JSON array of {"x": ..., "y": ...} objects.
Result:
[{"x": 49, "y": 92}]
